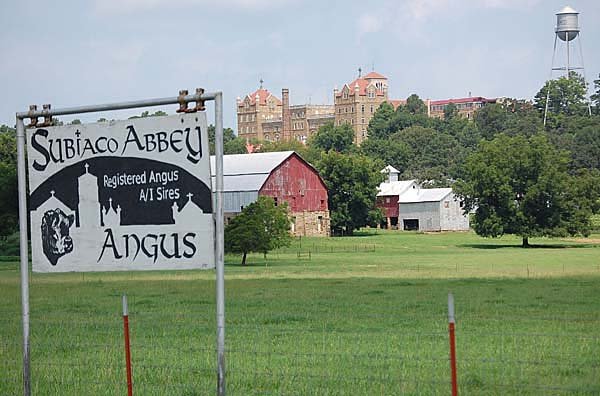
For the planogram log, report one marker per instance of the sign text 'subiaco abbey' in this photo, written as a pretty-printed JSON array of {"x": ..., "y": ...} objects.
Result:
[{"x": 121, "y": 195}]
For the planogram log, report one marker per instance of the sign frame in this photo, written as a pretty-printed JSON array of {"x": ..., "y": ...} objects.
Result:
[
  {"x": 183, "y": 99},
  {"x": 126, "y": 195}
]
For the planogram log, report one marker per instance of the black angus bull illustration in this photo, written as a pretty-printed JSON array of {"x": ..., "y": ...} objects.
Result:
[{"x": 55, "y": 234}]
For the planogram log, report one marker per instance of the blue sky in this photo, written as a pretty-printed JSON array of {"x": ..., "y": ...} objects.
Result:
[{"x": 71, "y": 53}]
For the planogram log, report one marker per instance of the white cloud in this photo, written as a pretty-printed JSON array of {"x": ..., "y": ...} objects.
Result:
[
  {"x": 368, "y": 23},
  {"x": 108, "y": 7},
  {"x": 422, "y": 9},
  {"x": 404, "y": 18},
  {"x": 409, "y": 18},
  {"x": 508, "y": 4},
  {"x": 276, "y": 40},
  {"x": 119, "y": 61}
]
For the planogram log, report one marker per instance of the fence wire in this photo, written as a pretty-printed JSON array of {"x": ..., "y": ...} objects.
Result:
[{"x": 375, "y": 346}]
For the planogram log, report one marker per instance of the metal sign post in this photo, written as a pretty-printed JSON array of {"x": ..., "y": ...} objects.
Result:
[
  {"x": 220, "y": 246},
  {"x": 24, "y": 253},
  {"x": 183, "y": 99}
]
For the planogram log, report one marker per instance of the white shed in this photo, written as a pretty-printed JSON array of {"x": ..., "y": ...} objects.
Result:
[{"x": 432, "y": 209}]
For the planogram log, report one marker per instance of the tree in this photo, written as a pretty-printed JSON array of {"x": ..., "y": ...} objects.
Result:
[
  {"x": 450, "y": 111},
  {"x": 388, "y": 152},
  {"x": 386, "y": 121},
  {"x": 9, "y": 209},
  {"x": 519, "y": 185},
  {"x": 523, "y": 120},
  {"x": 6, "y": 128},
  {"x": 283, "y": 145},
  {"x": 235, "y": 146},
  {"x": 9, "y": 202},
  {"x": 330, "y": 137},
  {"x": 512, "y": 117},
  {"x": 228, "y": 136},
  {"x": 260, "y": 227},
  {"x": 586, "y": 148},
  {"x": 491, "y": 120},
  {"x": 146, "y": 113},
  {"x": 432, "y": 153},
  {"x": 415, "y": 105},
  {"x": 8, "y": 145},
  {"x": 565, "y": 96},
  {"x": 596, "y": 96},
  {"x": 403, "y": 119},
  {"x": 586, "y": 189},
  {"x": 465, "y": 132},
  {"x": 352, "y": 182},
  {"x": 379, "y": 125}
]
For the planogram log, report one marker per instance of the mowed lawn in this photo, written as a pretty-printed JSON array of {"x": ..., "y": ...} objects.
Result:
[{"x": 362, "y": 315}]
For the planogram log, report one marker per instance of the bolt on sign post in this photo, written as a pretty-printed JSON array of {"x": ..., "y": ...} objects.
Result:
[
  {"x": 122, "y": 195},
  {"x": 451, "y": 322}
]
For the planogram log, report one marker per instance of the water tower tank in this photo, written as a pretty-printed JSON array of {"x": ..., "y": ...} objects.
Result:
[{"x": 567, "y": 26}]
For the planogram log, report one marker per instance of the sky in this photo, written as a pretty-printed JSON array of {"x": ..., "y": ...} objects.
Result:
[{"x": 72, "y": 53}]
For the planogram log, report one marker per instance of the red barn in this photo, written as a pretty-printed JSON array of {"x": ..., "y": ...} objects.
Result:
[
  {"x": 388, "y": 194},
  {"x": 285, "y": 177}
]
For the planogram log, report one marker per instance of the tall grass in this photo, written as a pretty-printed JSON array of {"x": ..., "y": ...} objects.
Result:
[{"x": 350, "y": 322}]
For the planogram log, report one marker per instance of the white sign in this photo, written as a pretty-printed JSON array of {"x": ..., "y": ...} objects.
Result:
[{"x": 121, "y": 195}]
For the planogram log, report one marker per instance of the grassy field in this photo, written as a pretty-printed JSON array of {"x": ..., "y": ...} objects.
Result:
[{"x": 363, "y": 315}]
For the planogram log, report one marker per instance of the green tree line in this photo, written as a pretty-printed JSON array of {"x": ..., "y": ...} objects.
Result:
[
  {"x": 448, "y": 151},
  {"x": 516, "y": 174}
]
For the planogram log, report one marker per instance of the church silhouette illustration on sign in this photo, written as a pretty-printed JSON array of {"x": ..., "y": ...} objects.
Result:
[{"x": 93, "y": 225}]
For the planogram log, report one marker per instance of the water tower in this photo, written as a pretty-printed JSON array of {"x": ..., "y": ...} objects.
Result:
[{"x": 567, "y": 30}]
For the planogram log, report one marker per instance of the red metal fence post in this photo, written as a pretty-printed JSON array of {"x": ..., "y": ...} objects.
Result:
[
  {"x": 127, "y": 348},
  {"x": 451, "y": 322}
]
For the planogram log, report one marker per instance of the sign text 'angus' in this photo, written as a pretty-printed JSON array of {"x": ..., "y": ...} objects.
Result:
[{"x": 121, "y": 195}]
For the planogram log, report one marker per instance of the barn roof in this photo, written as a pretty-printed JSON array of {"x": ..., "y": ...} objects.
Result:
[
  {"x": 395, "y": 187},
  {"x": 424, "y": 195},
  {"x": 248, "y": 172},
  {"x": 389, "y": 169}
]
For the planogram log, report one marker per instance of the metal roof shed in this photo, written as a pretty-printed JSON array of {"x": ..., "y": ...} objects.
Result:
[{"x": 432, "y": 209}]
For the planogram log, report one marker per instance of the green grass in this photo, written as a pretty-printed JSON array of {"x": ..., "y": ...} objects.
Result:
[{"x": 364, "y": 315}]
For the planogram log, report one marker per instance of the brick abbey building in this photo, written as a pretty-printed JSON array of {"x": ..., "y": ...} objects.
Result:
[
  {"x": 263, "y": 116},
  {"x": 356, "y": 102},
  {"x": 466, "y": 107}
]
